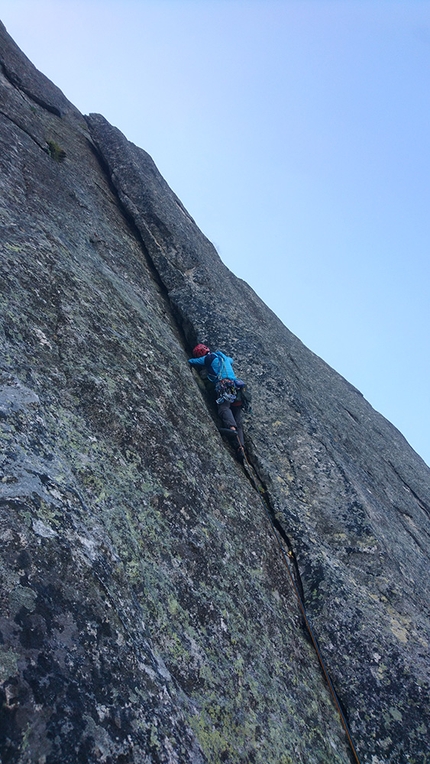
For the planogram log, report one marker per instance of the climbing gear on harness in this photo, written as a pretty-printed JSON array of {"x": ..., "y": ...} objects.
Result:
[
  {"x": 226, "y": 391},
  {"x": 200, "y": 350}
]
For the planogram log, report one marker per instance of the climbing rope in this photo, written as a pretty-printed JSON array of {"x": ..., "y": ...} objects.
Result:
[{"x": 290, "y": 559}]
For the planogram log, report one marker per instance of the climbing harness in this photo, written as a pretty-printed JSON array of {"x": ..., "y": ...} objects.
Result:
[
  {"x": 225, "y": 391},
  {"x": 228, "y": 388},
  {"x": 292, "y": 567}
]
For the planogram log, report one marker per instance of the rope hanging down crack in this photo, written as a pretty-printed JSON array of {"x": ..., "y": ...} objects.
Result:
[{"x": 290, "y": 562}]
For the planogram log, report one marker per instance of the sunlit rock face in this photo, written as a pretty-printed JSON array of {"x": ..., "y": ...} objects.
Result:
[{"x": 147, "y": 614}]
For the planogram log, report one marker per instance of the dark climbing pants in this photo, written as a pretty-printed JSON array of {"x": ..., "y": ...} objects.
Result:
[{"x": 231, "y": 416}]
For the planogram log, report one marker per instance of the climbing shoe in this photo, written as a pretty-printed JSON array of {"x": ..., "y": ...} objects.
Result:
[
  {"x": 240, "y": 454},
  {"x": 228, "y": 431}
]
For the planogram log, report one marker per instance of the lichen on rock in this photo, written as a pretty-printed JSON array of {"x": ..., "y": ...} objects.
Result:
[{"x": 147, "y": 614}]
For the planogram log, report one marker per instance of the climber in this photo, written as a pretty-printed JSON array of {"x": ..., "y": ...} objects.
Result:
[{"x": 217, "y": 368}]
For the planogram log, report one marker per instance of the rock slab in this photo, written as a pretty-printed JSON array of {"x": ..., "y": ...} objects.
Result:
[{"x": 146, "y": 612}]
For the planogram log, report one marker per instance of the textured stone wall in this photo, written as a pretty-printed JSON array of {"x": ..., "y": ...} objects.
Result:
[{"x": 146, "y": 612}]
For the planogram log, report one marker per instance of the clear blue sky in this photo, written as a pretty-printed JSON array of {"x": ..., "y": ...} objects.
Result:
[{"x": 296, "y": 132}]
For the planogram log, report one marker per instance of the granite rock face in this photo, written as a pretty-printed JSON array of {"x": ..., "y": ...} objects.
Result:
[{"x": 146, "y": 611}]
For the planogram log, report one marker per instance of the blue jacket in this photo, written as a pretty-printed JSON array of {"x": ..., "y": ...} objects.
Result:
[{"x": 218, "y": 365}]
